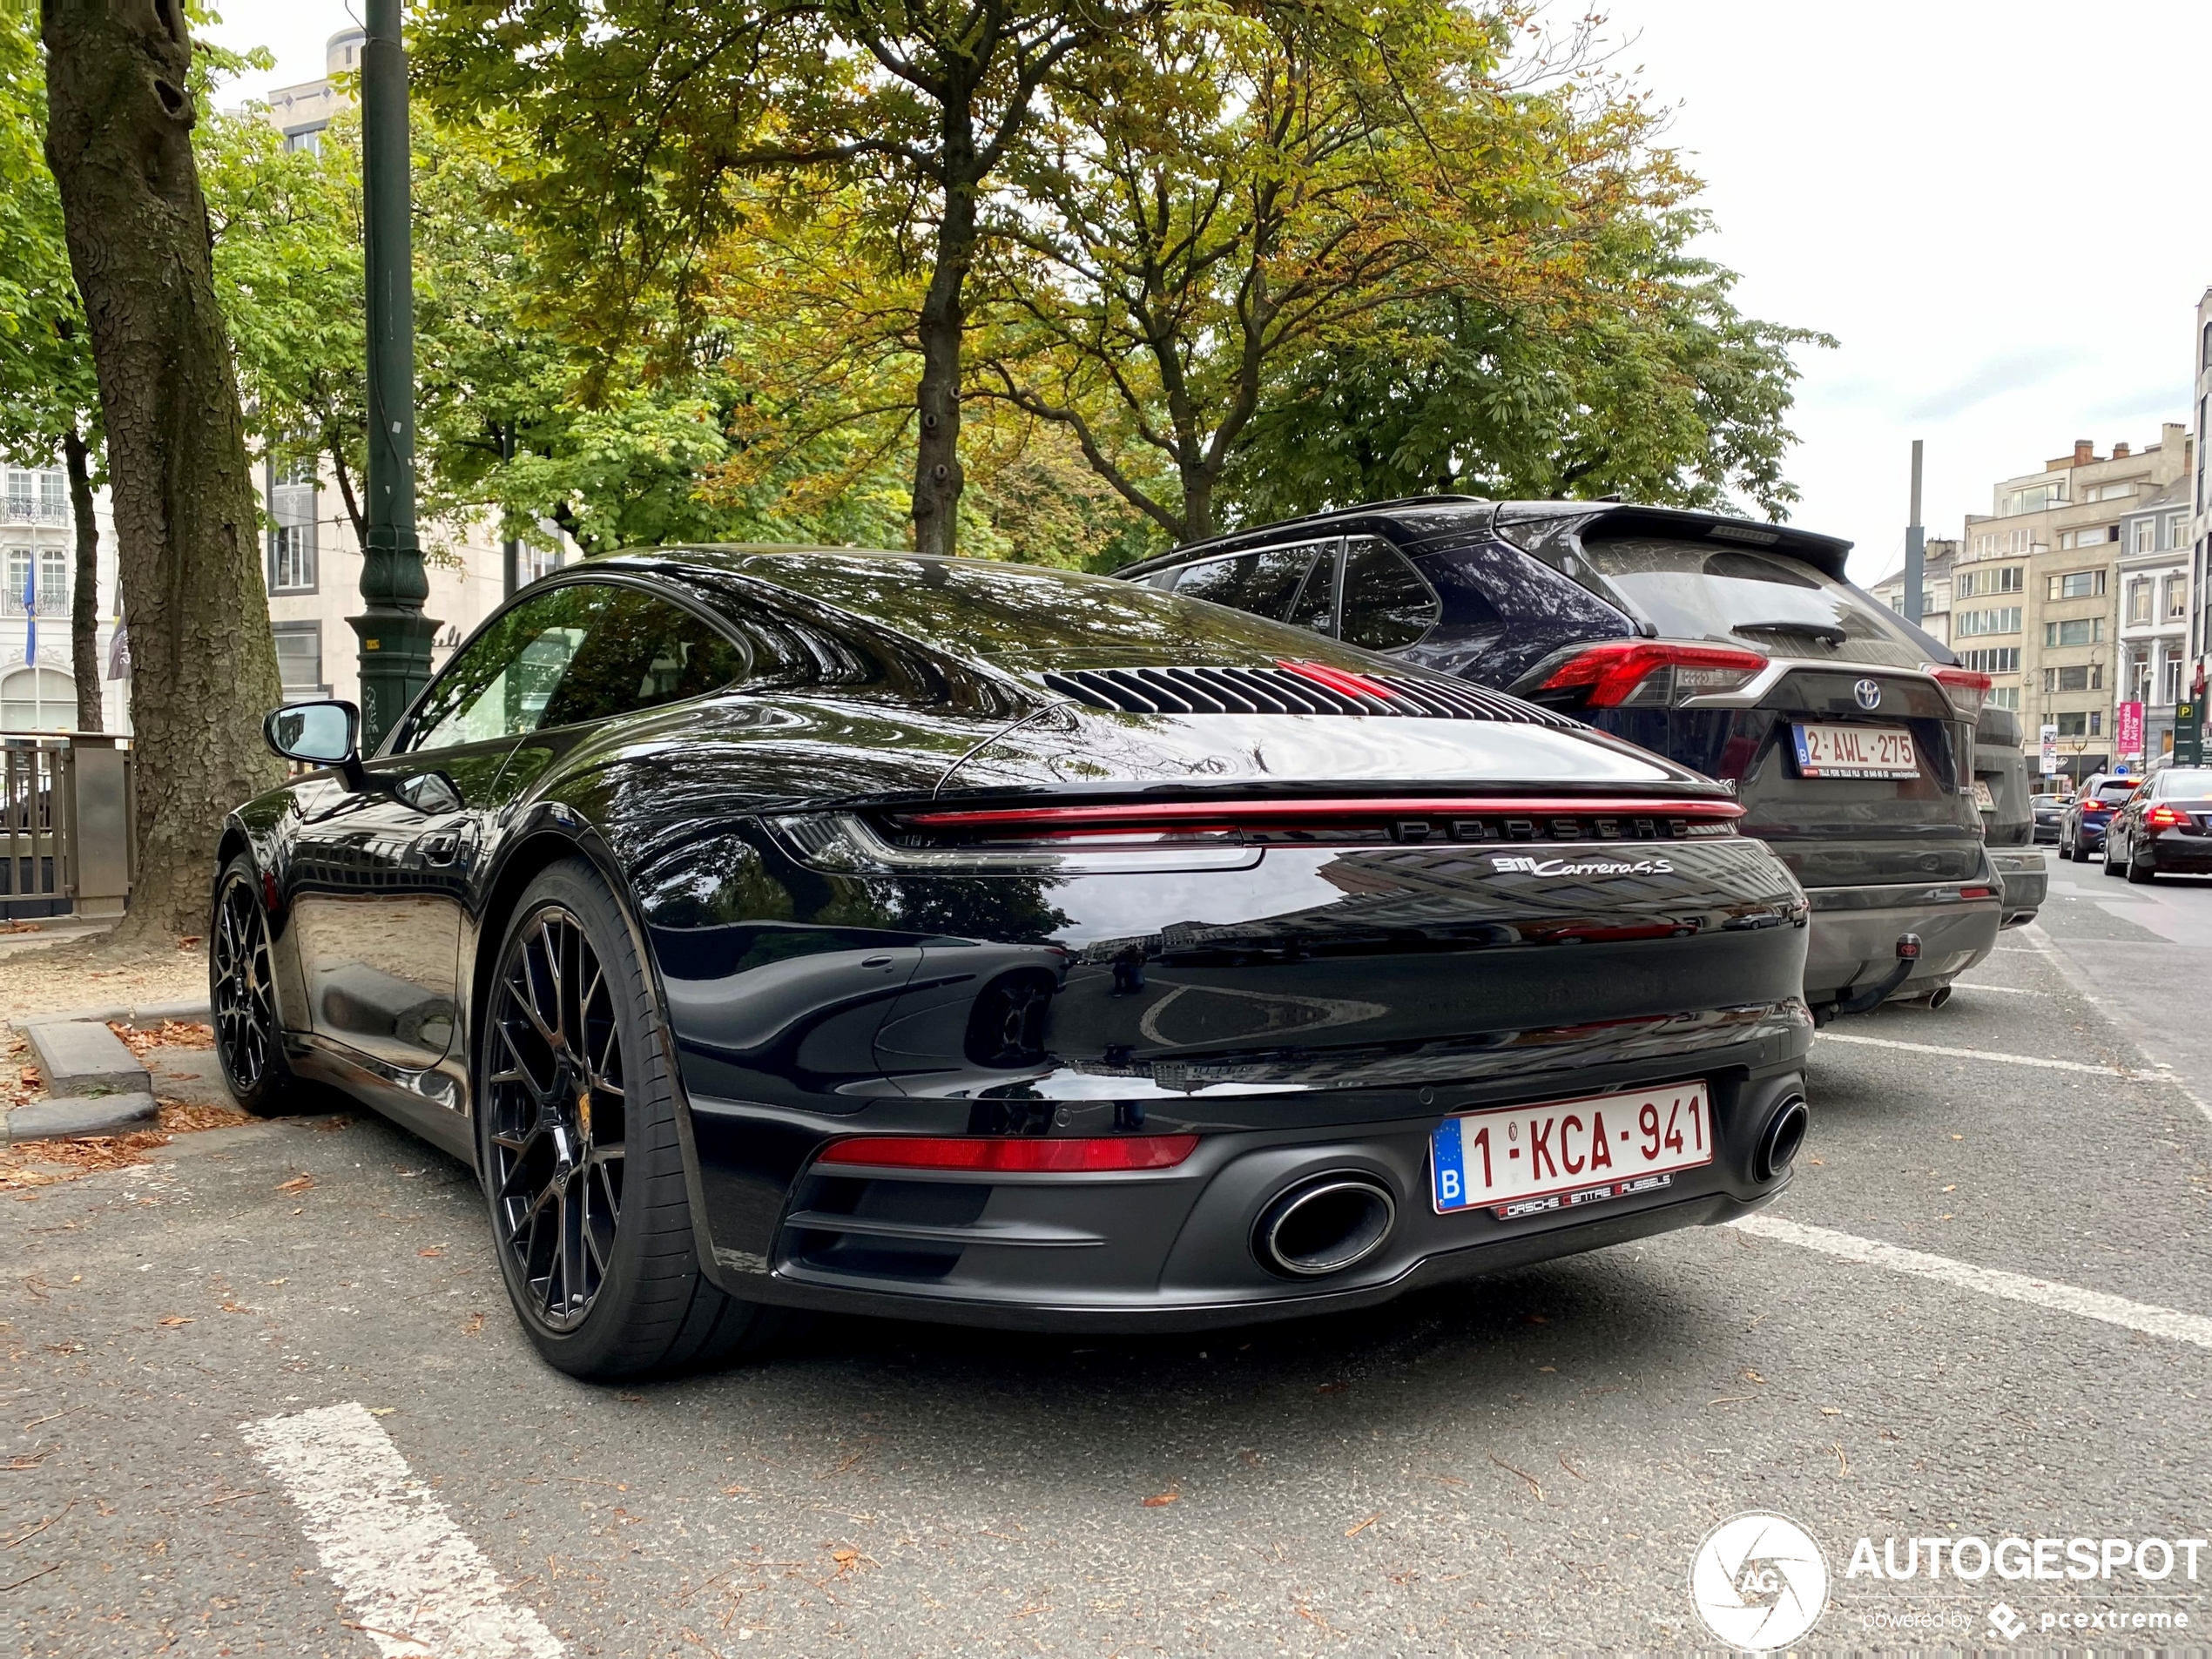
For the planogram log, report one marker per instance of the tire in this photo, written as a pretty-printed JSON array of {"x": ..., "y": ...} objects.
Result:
[
  {"x": 2073, "y": 850},
  {"x": 2142, "y": 872},
  {"x": 616, "y": 1290},
  {"x": 2113, "y": 866},
  {"x": 241, "y": 997}
]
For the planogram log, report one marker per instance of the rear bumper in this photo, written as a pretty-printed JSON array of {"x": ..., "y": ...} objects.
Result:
[
  {"x": 2173, "y": 852},
  {"x": 1172, "y": 1250},
  {"x": 2025, "y": 880},
  {"x": 1855, "y": 930}
]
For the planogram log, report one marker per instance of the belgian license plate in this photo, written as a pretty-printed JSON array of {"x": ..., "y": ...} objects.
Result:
[
  {"x": 1527, "y": 1160},
  {"x": 1855, "y": 752}
]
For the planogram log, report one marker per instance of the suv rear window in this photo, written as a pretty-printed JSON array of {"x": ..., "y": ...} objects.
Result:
[
  {"x": 2118, "y": 789},
  {"x": 1740, "y": 597}
]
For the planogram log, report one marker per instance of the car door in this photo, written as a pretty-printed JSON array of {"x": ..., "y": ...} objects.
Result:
[{"x": 380, "y": 876}]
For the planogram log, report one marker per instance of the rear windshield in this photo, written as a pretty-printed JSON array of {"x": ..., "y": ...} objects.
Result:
[
  {"x": 2118, "y": 790},
  {"x": 1737, "y": 596},
  {"x": 2185, "y": 785}
]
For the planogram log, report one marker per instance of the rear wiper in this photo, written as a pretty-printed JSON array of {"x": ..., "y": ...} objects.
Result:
[{"x": 1825, "y": 632}]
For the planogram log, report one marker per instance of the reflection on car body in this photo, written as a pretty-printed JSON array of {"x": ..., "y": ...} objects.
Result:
[{"x": 785, "y": 933}]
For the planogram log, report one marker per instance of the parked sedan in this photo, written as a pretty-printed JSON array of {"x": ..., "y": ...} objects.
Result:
[
  {"x": 2164, "y": 828},
  {"x": 1739, "y": 649},
  {"x": 853, "y": 931},
  {"x": 2081, "y": 831},
  {"x": 2050, "y": 815}
]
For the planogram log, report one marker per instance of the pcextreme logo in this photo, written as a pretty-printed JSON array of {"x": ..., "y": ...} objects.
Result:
[{"x": 1516, "y": 865}]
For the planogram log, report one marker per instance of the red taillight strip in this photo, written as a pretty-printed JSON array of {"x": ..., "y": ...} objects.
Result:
[
  {"x": 1059, "y": 1155},
  {"x": 1214, "y": 812},
  {"x": 1965, "y": 679},
  {"x": 1614, "y": 668},
  {"x": 1336, "y": 679}
]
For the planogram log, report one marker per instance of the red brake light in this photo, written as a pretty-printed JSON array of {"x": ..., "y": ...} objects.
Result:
[
  {"x": 2164, "y": 817},
  {"x": 1623, "y": 671},
  {"x": 1337, "y": 679},
  {"x": 1967, "y": 689},
  {"x": 998, "y": 1154},
  {"x": 1072, "y": 820}
]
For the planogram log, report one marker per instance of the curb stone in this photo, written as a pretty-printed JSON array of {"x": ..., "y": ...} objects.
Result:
[{"x": 69, "y": 1118}]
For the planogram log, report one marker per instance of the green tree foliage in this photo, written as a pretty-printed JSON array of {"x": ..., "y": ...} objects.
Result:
[
  {"x": 646, "y": 116},
  {"x": 1642, "y": 380}
]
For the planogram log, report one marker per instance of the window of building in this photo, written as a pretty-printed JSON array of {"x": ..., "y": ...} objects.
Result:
[
  {"x": 2087, "y": 676},
  {"x": 2145, "y": 536},
  {"x": 2011, "y": 579},
  {"x": 2003, "y": 697},
  {"x": 2084, "y": 631},
  {"x": 2177, "y": 598},
  {"x": 2138, "y": 680},
  {"x": 292, "y": 534},
  {"x": 37, "y": 699},
  {"x": 2169, "y": 675},
  {"x": 2076, "y": 584},
  {"x": 2034, "y": 499},
  {"x": 2138, "y": 600},
  {"x": 53, "y": 582},
  {"x": 2096, "y": 722},
  {"x": 298, "y": 652},
  {"x": 2096, "y": 538},
  {"x": 2177, "y": 528},
  {"x": 1991, "y": 659},
  {"x": 2003, "y": 620},
  {"x": 309, "y": 139},
  {"x": 2110, "y": 492},
  {"x": 2075, "y": 723}
]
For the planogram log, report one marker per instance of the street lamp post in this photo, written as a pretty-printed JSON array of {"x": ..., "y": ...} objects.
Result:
[{"x": 395, "y": 637}]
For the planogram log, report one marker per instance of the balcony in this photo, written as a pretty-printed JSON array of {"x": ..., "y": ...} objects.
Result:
[
  {"x": 53, "y": 602},
  {"x": 18, "y": 509}
]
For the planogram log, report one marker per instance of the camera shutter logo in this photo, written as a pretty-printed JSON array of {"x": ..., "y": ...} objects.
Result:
[
  {"x": 1869, "y": 693},
  {"x": 1758, "y": 1582}
]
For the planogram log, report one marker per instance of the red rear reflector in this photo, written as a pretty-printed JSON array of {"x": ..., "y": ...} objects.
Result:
[
  {"x": 994, "y": 1154},
  {"x": 1613, "y": 671},
  {"x": 1215, "y": 813},
  {"x": 1977, "y": 893},
  {"x": 1336, "y": 679}
]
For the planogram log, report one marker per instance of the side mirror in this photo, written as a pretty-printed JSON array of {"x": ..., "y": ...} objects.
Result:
[{"x": 321, "y": 734}]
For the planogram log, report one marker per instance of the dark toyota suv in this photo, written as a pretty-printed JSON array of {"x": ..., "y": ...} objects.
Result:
[{"x": 1735, "y": 647}]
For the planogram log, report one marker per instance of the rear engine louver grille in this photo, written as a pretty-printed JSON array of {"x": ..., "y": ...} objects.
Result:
[{"x": 1280, "y": 691}]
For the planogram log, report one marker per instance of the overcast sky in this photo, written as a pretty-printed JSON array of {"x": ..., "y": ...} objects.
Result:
[{"x": 1988, "y": 205}]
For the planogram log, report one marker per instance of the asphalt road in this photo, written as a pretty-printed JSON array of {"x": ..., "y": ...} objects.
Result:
[{"x": 1529, "y": 1462}]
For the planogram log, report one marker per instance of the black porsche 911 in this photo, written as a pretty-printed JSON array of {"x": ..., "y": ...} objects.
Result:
[{"x": 783, "y": 929}]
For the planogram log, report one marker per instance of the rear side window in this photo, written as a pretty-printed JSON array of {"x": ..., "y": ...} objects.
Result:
[
  {"x": 1264, "y": 583},
  {"x": 1385, "y": 603},
  {"x": 2177, "y": 785},
  {"x": 1697, "y": 591},
  {"x": 642, "y": 652}
]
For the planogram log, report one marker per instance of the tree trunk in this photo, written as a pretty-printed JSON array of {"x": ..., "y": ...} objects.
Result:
[
  {"x": 84, "y": 601},
  {"x": 938, "y": 478},
  {"x": 118, "y": 138}
]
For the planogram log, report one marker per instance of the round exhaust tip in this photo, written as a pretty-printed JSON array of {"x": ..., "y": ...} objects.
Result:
[
  {"x": 1325, "y": 1226},
  {"x": 1784, "y": 1134},
  {"x": 1939, "y": 997}
]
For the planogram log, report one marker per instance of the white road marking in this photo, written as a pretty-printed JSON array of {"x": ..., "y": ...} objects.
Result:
[
  {"x": 1991, "y": 1054},
  {"x": 2012, "y": 1287},
  {"x": 2001, "y": 990},
  {"x": 412, "y": 1579}
]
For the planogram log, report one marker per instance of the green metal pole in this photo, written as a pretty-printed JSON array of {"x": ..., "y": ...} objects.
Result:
[{"x": 395, "y": 636}]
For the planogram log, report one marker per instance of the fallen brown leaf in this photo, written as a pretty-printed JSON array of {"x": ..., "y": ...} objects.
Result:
[
  {"x": 1354, "y": 1531},
  {"x": 302, "y": 1182},
  {"x": 175, "y": 1319},
  {"x": 1160, "y": 1500},
  {"x": 431, "y": 1251},
  {"x": 474, "y": 1326},
  {"x": 1749, "y": 1375}
]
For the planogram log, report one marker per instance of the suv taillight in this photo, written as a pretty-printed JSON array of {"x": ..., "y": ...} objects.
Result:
[
  {"x": 1652, "y": 673},
  {"x": 1967, "y": 689}
]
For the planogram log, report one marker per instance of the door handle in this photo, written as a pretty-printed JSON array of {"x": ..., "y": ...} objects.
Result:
[{"x": 440, "y": 848}]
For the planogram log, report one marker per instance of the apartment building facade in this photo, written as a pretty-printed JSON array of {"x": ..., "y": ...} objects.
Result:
[
  {"x": 2036, "y": 594},
  {"x": 1938, "y": 558},
  {"x": 2200, "y": 645},
  {"x": 38, "y": 591},
  {"x": 2151, "y": 584}
]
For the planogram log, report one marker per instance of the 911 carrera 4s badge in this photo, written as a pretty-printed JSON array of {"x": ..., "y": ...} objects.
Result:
[{"x": 1515, "y": 865}]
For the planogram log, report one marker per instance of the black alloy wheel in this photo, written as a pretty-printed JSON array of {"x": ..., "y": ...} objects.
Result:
[
  {"x": 555, "y": 1116},
  {"x": 576, "y": 1106},
  {"x": 241, "y": 993}
]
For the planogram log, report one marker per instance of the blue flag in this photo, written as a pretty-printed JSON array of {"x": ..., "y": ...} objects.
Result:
[{"x": 30, "y": 613}]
